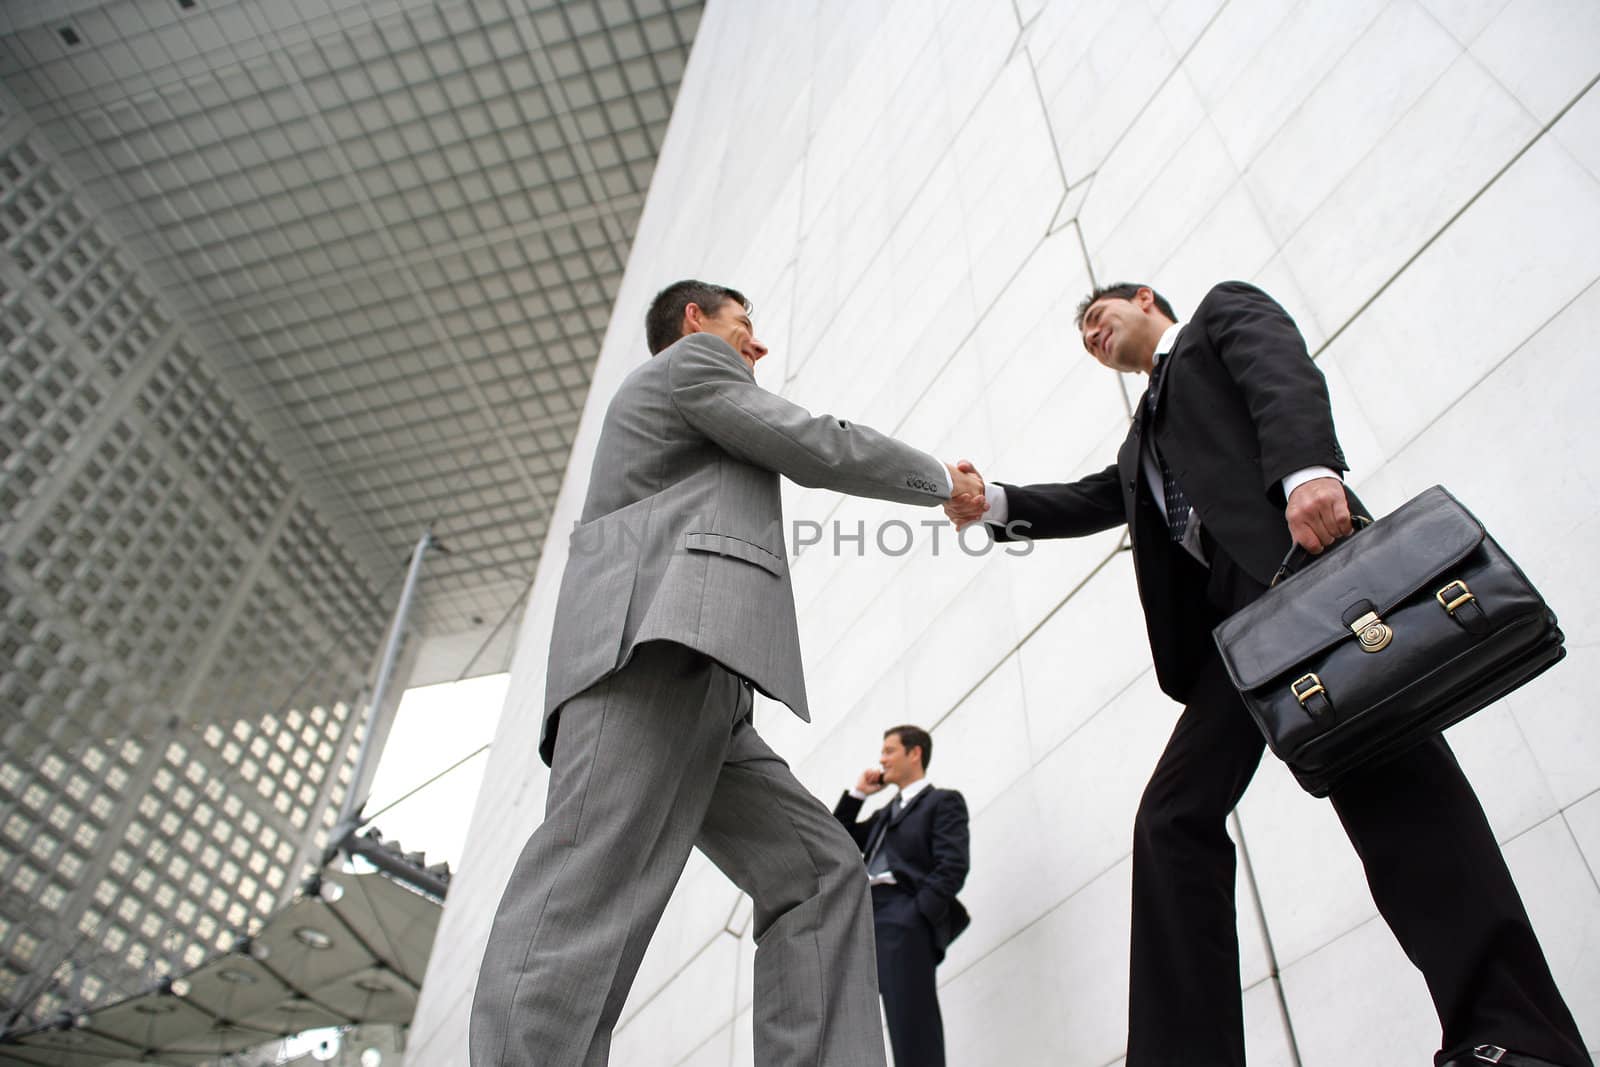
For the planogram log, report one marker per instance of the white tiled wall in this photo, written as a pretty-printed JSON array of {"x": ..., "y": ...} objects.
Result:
[{"x": 916, "y": 193}]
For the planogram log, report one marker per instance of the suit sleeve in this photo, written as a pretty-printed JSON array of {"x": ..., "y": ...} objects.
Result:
[
  {"x": 1265, "y": 355},
  {"x": 846, "y": 811},
  {"x": 951, "y": 846},
  {"x": 1069, "y": 509},
  {"x": 715, "y": 394}
]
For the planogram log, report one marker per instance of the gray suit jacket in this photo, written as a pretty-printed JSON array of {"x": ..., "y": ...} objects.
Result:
[{"x": 682, "y": 537}]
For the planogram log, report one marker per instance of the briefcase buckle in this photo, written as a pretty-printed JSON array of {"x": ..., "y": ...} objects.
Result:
[
  {"x": 1312, "y": 684},
  {"x": 1453, "y": 596},
  {"x": 1372, "y": 633},
  {"x": 1489, "y": 1053}
]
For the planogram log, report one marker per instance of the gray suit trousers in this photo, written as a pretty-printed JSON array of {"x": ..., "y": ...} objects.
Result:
[{"x": 651, "y": 761}]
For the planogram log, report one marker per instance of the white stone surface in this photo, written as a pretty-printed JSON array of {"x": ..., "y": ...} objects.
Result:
[
  {"x": 1372, "y": 86},
  {"x": 1584, "y": 820},
  {"x": 916, "y": 194},
  {"x": 1543, "y": 50},
  {"x": 1054, "y": 993},
  {"x": 1311, "y": 882},
  {"x": 1357, "y": 1000},
  {"x": 1455, "y": 138},
  {"x": 1563, "y": 901},
  {"x": 1266, "y": 1039}
]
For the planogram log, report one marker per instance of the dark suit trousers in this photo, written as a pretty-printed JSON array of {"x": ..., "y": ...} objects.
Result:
[
  {"x": 1432, "y": 863},
  {"x": 906, "y": 963}
]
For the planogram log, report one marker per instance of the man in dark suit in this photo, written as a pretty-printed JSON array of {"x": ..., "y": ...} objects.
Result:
[
  {"x": 917, "y": 855},
  {"x": 1232, "y": 456}
]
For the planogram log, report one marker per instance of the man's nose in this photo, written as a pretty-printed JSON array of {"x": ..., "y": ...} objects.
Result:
[{"x": 759, "y": 348}]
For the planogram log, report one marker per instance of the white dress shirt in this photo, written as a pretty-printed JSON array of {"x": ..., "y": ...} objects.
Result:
[{"x": 906, "y": 795}]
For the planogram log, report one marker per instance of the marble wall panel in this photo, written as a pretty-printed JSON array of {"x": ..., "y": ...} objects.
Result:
[{"x": 1545, "y": 51}]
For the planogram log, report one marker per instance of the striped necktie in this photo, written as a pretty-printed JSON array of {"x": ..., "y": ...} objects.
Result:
[{"x": 1177, "y": 504}]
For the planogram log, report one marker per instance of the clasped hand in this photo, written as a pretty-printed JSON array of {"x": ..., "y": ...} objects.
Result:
[
  {"x": 1318, "y": 513},
  {"x": 967, "y": 502}
]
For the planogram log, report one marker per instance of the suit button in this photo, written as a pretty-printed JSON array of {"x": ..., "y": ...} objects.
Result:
[{"x": 1130, "y": 485}]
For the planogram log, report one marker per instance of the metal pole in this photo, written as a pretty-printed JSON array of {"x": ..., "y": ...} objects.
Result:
[{"x": 355, "y": 799}]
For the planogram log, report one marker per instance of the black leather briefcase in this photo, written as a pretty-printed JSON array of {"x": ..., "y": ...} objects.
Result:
[{"x": 1408, "y": 625}]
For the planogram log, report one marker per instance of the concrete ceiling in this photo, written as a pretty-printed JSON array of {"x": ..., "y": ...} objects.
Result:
[
  {"x": 282, "y": 282},
  {"x": 395, "y": 229}
]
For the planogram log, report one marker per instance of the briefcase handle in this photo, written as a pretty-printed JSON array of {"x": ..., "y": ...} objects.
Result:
[{"x": 1298, "y": 556}]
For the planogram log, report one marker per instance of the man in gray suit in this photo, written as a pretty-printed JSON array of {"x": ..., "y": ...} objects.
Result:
[{"x": 675, "y": 604}]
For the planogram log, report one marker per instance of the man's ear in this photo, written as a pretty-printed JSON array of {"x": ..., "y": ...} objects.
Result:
[
  {"x": 1145, "y": 298},
  {"x": 694, "y": 319}
]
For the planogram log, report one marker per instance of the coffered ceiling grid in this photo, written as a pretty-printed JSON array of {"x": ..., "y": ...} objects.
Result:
[
  {"x": 282, "y": 282},
  {"x": 395, "y": 228}
]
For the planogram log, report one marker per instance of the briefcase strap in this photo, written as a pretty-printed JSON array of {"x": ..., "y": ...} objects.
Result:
[{"x": 1298, "y": 557}]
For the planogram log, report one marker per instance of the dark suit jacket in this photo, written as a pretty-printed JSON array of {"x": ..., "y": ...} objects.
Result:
[
  {"x": 1240, "y": 407},
  {"x": 933, "y": 848}
]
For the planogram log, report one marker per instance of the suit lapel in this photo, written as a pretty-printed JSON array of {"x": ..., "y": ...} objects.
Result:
[
  {"x": 908, "y": 805},
  {"x": 1166, "y": 374},
  {"x": 880, "y": 827},
  {"x": 1130, "y": 461}
]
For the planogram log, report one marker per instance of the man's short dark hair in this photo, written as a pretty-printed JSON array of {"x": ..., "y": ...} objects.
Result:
[
  {"x": 911, "y": 737},
  {"x": 663, "y": 323},
  {"x": 1121, "y": 291}
]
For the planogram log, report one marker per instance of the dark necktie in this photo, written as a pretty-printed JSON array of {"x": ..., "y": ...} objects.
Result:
[
  {"x": 882, "y": 831},
  {"x": 1177, "y": 503}
]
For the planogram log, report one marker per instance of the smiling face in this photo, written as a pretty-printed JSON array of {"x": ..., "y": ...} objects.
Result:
[
  {"x": 731, "y": 322},
  {"x": 1122, "y": 333},
  {"x": 900, "y": 768}
]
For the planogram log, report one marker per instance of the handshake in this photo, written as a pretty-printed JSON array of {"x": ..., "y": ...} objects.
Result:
[{"x": 967, "y": 502}]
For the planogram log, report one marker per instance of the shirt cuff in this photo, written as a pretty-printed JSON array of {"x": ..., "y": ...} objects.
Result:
[
  {"x": 858, "y": 794},
  {"x": 998, "y": 510},
  {"x": 1300, "y": 477}
]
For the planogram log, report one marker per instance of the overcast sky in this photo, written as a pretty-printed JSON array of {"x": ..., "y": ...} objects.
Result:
[{"x": 435, "y": 726}]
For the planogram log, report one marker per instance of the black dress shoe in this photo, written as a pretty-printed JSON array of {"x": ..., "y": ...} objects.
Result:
[{"x": 1494, "y": 1054}]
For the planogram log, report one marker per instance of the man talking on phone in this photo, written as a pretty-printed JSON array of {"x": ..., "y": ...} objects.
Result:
[{"x": 917, "y": 854}]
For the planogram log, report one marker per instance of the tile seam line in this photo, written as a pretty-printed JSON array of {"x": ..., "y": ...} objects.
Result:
[
  {"x": 1274, "y": 972},
  {"x": 1374, "y": 916},
  {"x": 1299, "y": 227},
  {"x": 792, "y": 265},
  {"x": 1472, "y": 387},
  {"x": 1176, "y": 69},
  {"x": 1036, "y": 920},
  {"x": 1044, "y": 110},
  {"x": 711, "y": 1039},
  {"x": 1016, "y": 12},
  {"x": 1592, "y": 864},
  {"x": 884, "y": 247},
  {"x": 955, "y": 350},
  {"x": 978, "y": 812},
  {"x": 1025, "y": 638},
  {"x": 1269, "y": 136},
  {"x": 1445, "y": 227},
  {"x": 705, "y": 946},
  {"x": 1588, "y": 865}
]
